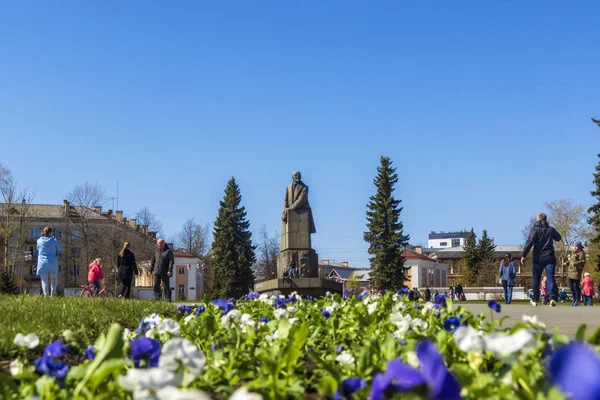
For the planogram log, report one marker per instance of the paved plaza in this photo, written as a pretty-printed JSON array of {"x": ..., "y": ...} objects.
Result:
[{"x": 566, "y": 318}]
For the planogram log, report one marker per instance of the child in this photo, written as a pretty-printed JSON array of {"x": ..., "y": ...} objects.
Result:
[
  {"x": 95, "y": 274},
  {"x": 576, "y": 265},
  {"x": 544, "y": 290},
  {"x": 587, "y": 286}
]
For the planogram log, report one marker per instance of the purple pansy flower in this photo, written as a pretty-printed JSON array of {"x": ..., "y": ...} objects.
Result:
[
  {"x": 47, "y": 365},
  {"x": 252, "y": 296},
  {"x": 226, "y": 306},
  {"x": 575, "y": 368},
  {"x": 184, "y": 309},
  {"x": 494, "y": 306},
  {"x": 200, "y": 310},
  {"x": 90, "y": 353},
  {"x": 339, "y": 349},
  {"x": 349, "y": 387},
  {"x": 452, "y": 324},
  {"x": 325, "y": 313},
  {"x": 264, "y": 320},
  {"x": 147, "y": 350}
]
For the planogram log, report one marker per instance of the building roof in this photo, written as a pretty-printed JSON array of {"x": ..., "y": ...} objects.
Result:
[
  {"x": 411, "y": 255},
  {"x": 183, "y": 254},
  {"x": 363, "y": 275},
  {"x": 449, "y": 235},
  {"x": 458, "y": 251},
  {"x": 345, "y": 274}
]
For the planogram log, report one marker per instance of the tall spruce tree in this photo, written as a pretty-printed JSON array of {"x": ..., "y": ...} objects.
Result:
[
  {"x": 385, "y": 230},
  {"x": 487, "y": 271},
  {"x": 232, "y": 249},
  {"x": 594, "y": 211},
  {"x": 471, "y": 260}
]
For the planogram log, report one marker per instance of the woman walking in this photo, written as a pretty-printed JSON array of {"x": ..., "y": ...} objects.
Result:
[
  {"x": 48, "y": 249},
  {"x": 508, "y": 272},
  {"x": 127, "y": 268},
  {"x": 587, "y": 287}
]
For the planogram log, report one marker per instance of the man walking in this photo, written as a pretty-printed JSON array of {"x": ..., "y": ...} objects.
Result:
[
  {"x": 161, "y": 266},
  {"x": 542, "y": 238}
]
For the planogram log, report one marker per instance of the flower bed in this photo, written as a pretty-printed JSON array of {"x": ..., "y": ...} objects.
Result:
[{"x": 364, "y": 346}]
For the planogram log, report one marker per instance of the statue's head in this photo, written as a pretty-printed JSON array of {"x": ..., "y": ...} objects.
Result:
[{"x": 296, "y": 176}]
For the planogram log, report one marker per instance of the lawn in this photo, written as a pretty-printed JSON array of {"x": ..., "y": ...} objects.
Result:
[{"x": 49, "y": 317}]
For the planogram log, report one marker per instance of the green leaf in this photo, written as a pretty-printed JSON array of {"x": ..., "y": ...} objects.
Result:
[
  {"x": 328, "y": 385},
  {"x": 7, "y": 381},
  {"x": 295, "y": 346},
  {"x": 109, "y": 367},
  {"x": 580, "y": 335},
  {"x": 594, "y": 339}
]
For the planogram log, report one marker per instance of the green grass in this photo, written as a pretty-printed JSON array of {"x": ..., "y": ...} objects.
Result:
[{"x": 48, "y": 317}]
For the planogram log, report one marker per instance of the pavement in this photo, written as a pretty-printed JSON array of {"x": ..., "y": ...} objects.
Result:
[{"x": 566, "y": 318}]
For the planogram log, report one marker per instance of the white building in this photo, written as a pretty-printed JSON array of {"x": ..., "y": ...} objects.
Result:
[
  {"x": 440, "y": 240},
  {"x": 423, "y": 271}
]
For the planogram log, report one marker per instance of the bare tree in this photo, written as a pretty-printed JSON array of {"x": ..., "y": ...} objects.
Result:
[
  {"x": 15, "y": 214},
  {"x": 569, "y": 219},
  {"x": 147, "y": 217},
  {"x": 193, "y": 238},
  {"x": 527, "y": 229},
  {"x": 83, "y": 199},
  {"x": 267, "y": 252}
]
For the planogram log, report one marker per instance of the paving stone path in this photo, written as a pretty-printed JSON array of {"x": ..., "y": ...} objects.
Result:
[{"x": 566, "y": 318}]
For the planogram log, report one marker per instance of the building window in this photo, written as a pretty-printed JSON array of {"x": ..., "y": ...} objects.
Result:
[
  {"x": 12, "y": 250},
  {"x": 455, "y": 242},
  {"x": 96, "y": 236},
  {"x": 76, "y": 234},
  {"x": 181, "y": 289},
  {"x": 442, "y": 244},
  {"x": 57, "y": 233},
  {"x": 36, "y": 233},
  {"x": 75, "y": 270},
  {"x": 76, "y": 252},
  {"x": 181, "y": 270}
]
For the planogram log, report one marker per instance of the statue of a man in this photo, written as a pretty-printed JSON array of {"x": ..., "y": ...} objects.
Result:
[{"x": 296, "y": 198}]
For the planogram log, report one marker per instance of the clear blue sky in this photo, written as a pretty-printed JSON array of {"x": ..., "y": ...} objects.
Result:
[{"x": 484, "y": 106}]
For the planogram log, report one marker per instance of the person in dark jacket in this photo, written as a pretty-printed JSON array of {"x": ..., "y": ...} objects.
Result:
[
  {"x": 127, "y": 268},
  {"x": 542, "y": 238},
  {"x": 161, "y": 266},
  {"x": 427, "y": 294}
]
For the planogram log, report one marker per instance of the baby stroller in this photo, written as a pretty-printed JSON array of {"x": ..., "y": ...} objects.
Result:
[{"x": 563, "y": 296}]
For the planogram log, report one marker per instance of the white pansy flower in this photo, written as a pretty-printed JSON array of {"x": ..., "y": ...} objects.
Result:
[
  {"x": 29, "y": 341},
  {"x": 169, "y": 326},
  {"x": 533, "y": 321},
  {"x": 243, "y": 394},
  {"x": 328, "y": 294},
  {"x": 231, "y": 318},
  {"x": 366, "y": 300},
  {"x": 272, "y": 337},
  {"x": 281, "y": 313},
  {"x": 292, "y": 321},
  {"x": 189, "y": 318},
  {"x": 151, "y": 333},
  {"x": 334, "y": 306},
  {"x": 329, "y": 309},
  {"x": 292, "y": 309},
  {"x": 172, "y": 393},
  {"x": 345, "y": 358},
  {"x": 400, "y": 306},
  {"x": 264, "y": 298},
  {"x": 140, "y": 380},
  {"x": 247, "y": 321},
  {"x": 128, "y": 335},
  {"x": 505, "y": 346},
  {"x": 419, "y": 326},
  {"x": 371, "y": 308},
  {"x": 16, "y": 367},
  {"x": 468, "y": 339},
  {"x": 180, "y": 352},
  {"x": 395, "y": 298}
]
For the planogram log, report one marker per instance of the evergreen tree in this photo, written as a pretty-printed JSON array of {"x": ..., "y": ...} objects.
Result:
[
  {"x": 7, "y": 282},
  {"x": 385, "y": 230},
  {"x": 594, "y": 211},
  {"x": 232, "y": 249},
  {"x": 486, "y": 250},
  {"x": 471, "y": 260}
]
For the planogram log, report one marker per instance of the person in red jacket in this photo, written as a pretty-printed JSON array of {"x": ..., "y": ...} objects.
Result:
[
  {"x": 95, "y": 274},
  {"x": 587, "y": 289}
]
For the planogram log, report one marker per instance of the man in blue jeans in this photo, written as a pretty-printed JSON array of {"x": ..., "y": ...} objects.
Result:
[{"x": 542, "y": 238}]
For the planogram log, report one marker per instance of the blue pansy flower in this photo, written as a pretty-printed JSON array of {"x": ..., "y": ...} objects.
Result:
[
  {"x": 416, "y": 307},
  {"x": 403, "y": 342},
  {"x": 264, "y": 320},
  {"x": 293, "y": 299},
  {"x": 494, "y": 306},
  {"x": 575, "y": 369},
  {"x": 339, "y": 349},
  {"x": 252, "y": 296},
  {"x": 311, "y": 298},
  {"x": 226, "y": 306},
  {"x": 400, "y": 378},
  {"x": 90, "y": 353},
  {"x": 147, "y": 350},
  {"x": 349, "y": 387},
  {"x": 231, "y": 300},
  {"x": 279, "y": 302},
  {"x": 440, "y": 299},
  {"x": 48, "y": 366},
  {"x": 325, "y": 313},
  {"x": 213, "y": 346},
  {"x": 200, "y": 310},
  {"x": 184, "y": 309},
  {"x": 404, "y": 291},
  {"x": 382, "y": 292},
  {"x": 452, "y": 324},
  {"x": 348, "y": 293},
  {"x": 362, "y": 295}
]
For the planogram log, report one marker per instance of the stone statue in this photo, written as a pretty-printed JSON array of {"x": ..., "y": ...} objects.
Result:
[
  {"x": 296, "y": 255},
  {"x": 296, "y": 198}
]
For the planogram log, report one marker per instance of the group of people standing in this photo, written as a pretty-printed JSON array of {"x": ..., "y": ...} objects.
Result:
[{"x": 161, "y": 267}]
